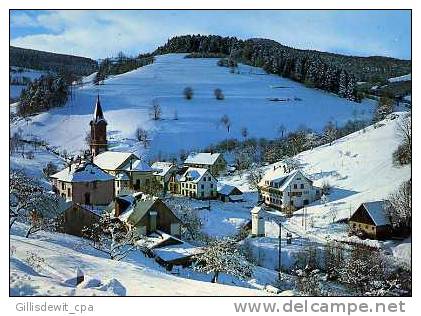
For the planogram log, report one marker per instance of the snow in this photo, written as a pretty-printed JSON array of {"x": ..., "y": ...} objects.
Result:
[
  {"x": 83, "y": 172},
  {"x": 111, "y": 160},
  {"x": 377, "y": 212},
  {"x": 174, "y": 252},
  {"x": 225, "y": 189},
  {"x": 58, "y": 256},
  {"x": 195, "y": 174},
  {"x": 126, "y": 100},
  {"x": 137, "y": 165},
  {"x": 202, "y": 158},
  {"x": 161, "y": 168},
  {"x": 401, "y": 78}
]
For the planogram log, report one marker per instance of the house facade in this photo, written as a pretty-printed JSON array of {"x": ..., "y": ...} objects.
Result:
[
  {"x": 287, "y": 192},
  {"x": 84, "y": 183},
  {"x": 371, "y": 220},
  {"x": 198, "y": 183},
  {"x": 145, "y": 214},
  {"x": 215, "y": 162},
  {"x": 139, "y": 173},
  {"x": 163, "y": 171}
]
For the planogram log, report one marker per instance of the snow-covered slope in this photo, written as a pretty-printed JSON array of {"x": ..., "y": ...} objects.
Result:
[
  {"x": 47, "y": 263},
  {"x": 126, "y": 101},
  {"x": 401, "y": 78}
]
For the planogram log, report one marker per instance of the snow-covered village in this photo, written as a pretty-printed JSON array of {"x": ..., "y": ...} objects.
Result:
[{"x": 209, "y": 166}]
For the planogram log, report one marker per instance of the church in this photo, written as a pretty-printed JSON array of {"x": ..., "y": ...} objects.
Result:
[{"x": 98, "y": 140}]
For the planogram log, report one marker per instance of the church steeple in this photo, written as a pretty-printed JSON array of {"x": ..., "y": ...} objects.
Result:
[
  {"x": 98, "y": 142},
  {"x": 98, "y": 114}
]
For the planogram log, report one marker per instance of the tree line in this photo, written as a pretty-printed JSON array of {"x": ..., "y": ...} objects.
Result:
[{"x": 330, "y": 72}]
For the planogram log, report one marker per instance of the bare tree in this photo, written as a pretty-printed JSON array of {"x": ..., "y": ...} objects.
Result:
[
  {"x": 224, "y": 256},
  {"x": 226, "y": 122},
  {"x": 400, "y": 207},
  {"x": 26, "y": 195},
  {"x": 188, "y": 93},
  {"x": 111, "y": 236},
  {"x": 403, "y": 154},
  {"x": 254, "y": 177},
  {"x": 218, "y": 94},
  {"x": 281, "y": 130},
  {"x": 330, "y": 132},
  {"x": 142, "y": 136},
  {"x": 155, "y": 110}
]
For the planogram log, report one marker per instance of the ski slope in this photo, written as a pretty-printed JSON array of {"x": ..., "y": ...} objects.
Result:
[{"x": 126, "y": 101}]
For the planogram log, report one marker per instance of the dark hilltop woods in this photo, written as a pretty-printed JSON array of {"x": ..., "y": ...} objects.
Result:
[{"x": 58, "y": 63}]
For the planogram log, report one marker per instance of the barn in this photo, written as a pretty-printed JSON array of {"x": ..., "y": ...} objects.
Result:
[{"x": 371, "y": 220}]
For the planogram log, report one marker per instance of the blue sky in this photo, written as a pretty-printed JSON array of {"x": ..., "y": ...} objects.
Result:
[{"x": 99, "y": 34}]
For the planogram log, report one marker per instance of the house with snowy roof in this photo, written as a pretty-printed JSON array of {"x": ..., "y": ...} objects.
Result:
[
  {"x": 229, "y": 193},
  {"x": 215, "y": 162},
  {"x": 123, "y": 165},
  {"x": 287, "y": 191},
  {"x": 198, "y": 183},
  {"x": 146, "y": 214},
  {"x": 371, "y": 219},
  {"x": 163, "y": 171},
  {"x": 84, "y": 183},
  {"x": 87, "y": 189}
]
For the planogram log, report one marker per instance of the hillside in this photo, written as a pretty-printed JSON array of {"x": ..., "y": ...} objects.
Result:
[
  {"x": 47, "y": 61},
  {"x": 46, "y": 264},
  {"x": 331, "y": 72},
  {"x": 126, "y": 101}
]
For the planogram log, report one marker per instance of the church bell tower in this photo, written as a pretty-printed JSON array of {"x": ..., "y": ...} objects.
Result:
[{"x": 98, "y": 142}]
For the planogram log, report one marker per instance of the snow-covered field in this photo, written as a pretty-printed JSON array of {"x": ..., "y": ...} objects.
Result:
[
  {"x": 126, "y": 102},
  {"x": 46, "y": 264}
]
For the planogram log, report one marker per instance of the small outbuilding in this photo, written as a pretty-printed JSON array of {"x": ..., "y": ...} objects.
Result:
[
  {"x": 229, "y": 193},
  {"x": 371, "y": 220}
]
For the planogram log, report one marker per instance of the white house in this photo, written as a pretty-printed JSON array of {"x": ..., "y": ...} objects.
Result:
[
  {"x": 287, "y": 191},
  {"x": 215, "y": 162},
  {"x": 257, "y": 222},
  {"x": 198, "y": 183}
]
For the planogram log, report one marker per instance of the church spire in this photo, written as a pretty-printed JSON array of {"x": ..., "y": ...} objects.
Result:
[{"x": 98, "y": 114}]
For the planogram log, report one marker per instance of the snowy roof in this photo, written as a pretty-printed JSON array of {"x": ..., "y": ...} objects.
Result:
[
  {"x": 137, "y": 165},
  {"x": 195, "y": 174},
  {"x": 122, "y": 176},
  {"x": 161, "y": 168},
  {"x": 178, "y": 251},
  {"x": 377, "y": 212},
  {"x": 202, "y": 158},
  {"x": 282, "y": 179},
  {"x": 112, "y": 160},
  {"x": 82, "y": 172},
  {"x": 256, "y": 210},
  {"x": 227, "y": 189},
  {"x": 135, "y": 206}
]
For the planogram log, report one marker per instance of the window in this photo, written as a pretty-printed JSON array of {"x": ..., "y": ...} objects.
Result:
[
  {"x": 302, "y": 186},
  {"x": 202, "y": 186},
  {"x": 94, "y": 184},
  {"x": 68, "y": 192},
  {"x": 211, "y": 186},
  {"x": 295, "y": 186},
  {"x": 63, "y": 186},
  {"x": 209, "y": 179}
]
